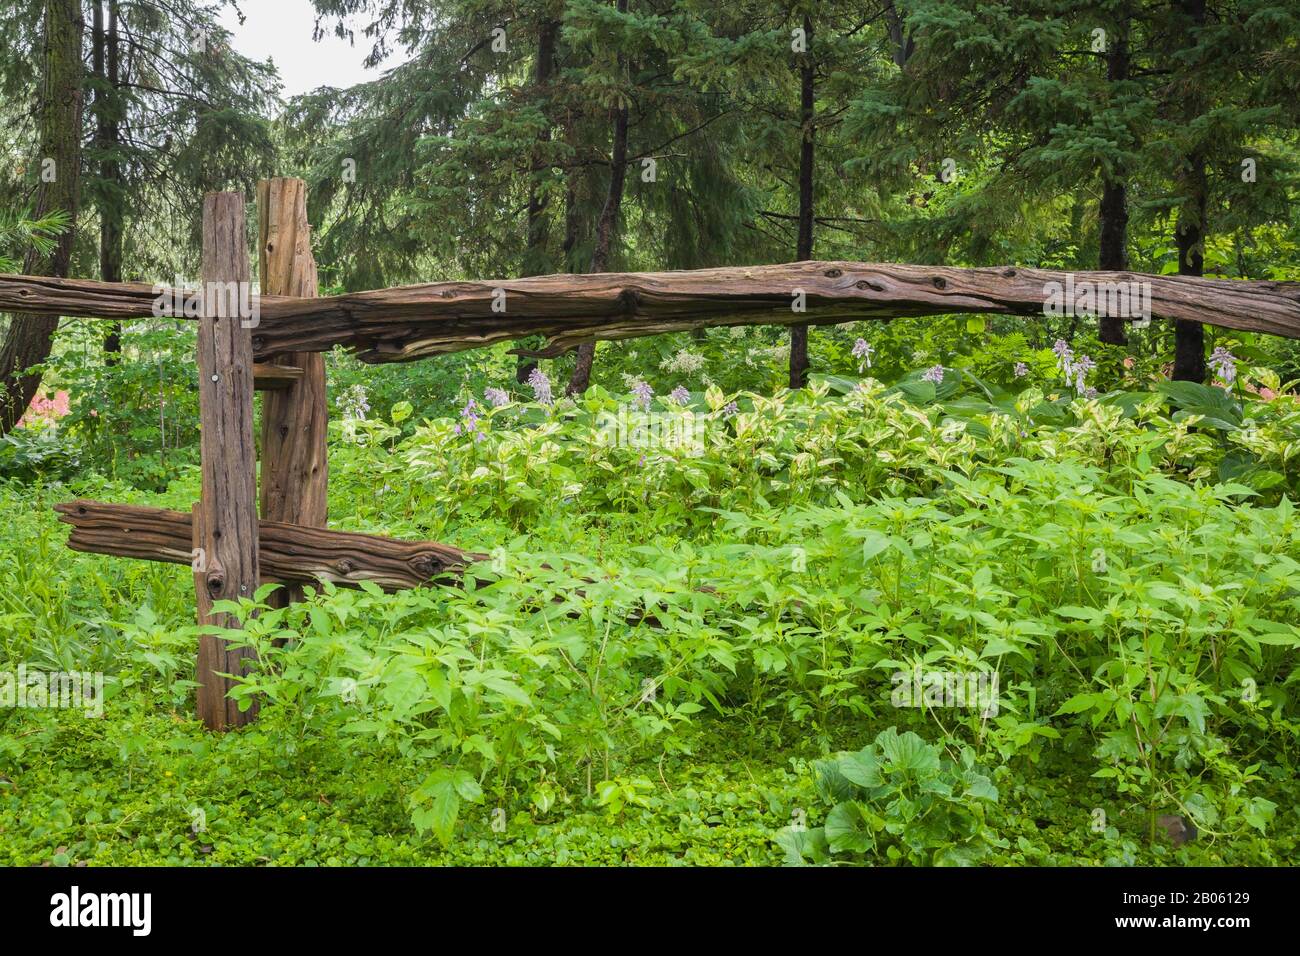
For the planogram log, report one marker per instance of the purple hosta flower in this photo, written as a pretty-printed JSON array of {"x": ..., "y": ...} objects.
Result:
[
  {"x": 541, "y": 386},
  {"x": 1021, "y": 370},
  {"x": 1064, "y": 356},
  {"x": 496, "y": 397},
  {"x": 863, "y": 350},
  {"x": 933, "y": 375},
  {"x": 642, "y": 393},
  {"x": 469, "y": 421},
  {"x": 1224, "y": 364},
  {"x": 1079, "y": 370},
  {"x": 1090, "y": 393},
  {"x": 681, "y": 395},
  {"x": 730, "y": 410}
]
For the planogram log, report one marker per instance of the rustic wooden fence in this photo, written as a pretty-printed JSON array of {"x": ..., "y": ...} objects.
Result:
[{"x": 232, "y": 549}]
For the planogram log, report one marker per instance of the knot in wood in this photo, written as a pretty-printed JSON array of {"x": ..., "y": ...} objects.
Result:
[
  {"x": 940, "y": 282},
  {"x": 834, "y": 273}
]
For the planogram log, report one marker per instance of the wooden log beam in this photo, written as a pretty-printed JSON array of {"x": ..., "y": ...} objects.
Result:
[
  {"x": 394, "y": 325},
  {"x": 295, "y": 464},
  {"x": 286, "y": 553},
  {"x": 226, "y": 516},
  {"x": 273, "y": 378}
]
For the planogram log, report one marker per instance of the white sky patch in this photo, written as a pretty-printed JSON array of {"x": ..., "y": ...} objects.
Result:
[{"x": 280, "y": 30}]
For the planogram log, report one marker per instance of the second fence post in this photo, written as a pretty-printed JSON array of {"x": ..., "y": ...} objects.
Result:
[{"x": 294, "y": 419}]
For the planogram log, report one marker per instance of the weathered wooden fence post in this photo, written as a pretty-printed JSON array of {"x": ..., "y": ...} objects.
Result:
[
  {"x": 225, "y": 519},
  {"x": 295, "y": 415}
]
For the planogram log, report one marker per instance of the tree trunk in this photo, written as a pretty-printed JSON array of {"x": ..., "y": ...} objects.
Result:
[
  {"x": 572, "y": 216},
  {"x": 535, "y": 258},
  {"x": 804, "y": 252},
  {"x": 28, "y": 341},
  {"x": 1113, "y": 252},
  {"x": 106, "y": 135},
  {"x": 1189, "y": 336},
  {"x": 567, "y": 246},
  {"x": 1113, "y": 255},
  {"x": 901, "y": 43},
  {"x": 605, "y": 227}
]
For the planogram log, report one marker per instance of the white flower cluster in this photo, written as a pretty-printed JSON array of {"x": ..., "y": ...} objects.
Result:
[
  {"x": 685, "y": 363},
  {"x": 773, "y": 353},
  {"x": 353, "y": 403}
]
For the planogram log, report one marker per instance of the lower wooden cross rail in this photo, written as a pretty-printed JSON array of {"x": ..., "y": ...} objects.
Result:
[{"x": 287, "y": 553}]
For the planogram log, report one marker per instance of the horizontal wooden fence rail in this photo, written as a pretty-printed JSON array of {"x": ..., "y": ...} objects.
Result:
[
  {"x": 275, "y": 378},
  {"x": 286, "y": 552},
  {"x": 401, "y": 324}
]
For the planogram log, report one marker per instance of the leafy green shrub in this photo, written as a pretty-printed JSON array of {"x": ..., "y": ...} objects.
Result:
[
  {"x": 899, "y": 799},
  {"x": 37, "y": 452},
  {"x": 1132, "y": 594},
  {"x": 138, "y": 419}
]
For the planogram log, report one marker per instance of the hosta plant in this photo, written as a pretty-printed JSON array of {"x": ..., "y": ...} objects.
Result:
[{"x": 897, "y": 800}]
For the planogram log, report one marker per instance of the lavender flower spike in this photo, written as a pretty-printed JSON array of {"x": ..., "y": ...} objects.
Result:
[
  {"x": 1224, "y": 364},
  {"x": 541, "y": 386},
  {"x": 863, "y": 350}
]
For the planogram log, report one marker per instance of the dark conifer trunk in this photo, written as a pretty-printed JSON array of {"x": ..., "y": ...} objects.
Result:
[
  {"x": 535, "y": 259},
  {"x": 1189, "y": 337},
  {"x": 1113, "y": 252},
  {"x": 107, "y": 135},
  {"x": 1189, "y": 235},
  {"x": 605, "y": 229},
  {"x": 30, "y": 337},
  {"x": 804, "y": 251}
]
